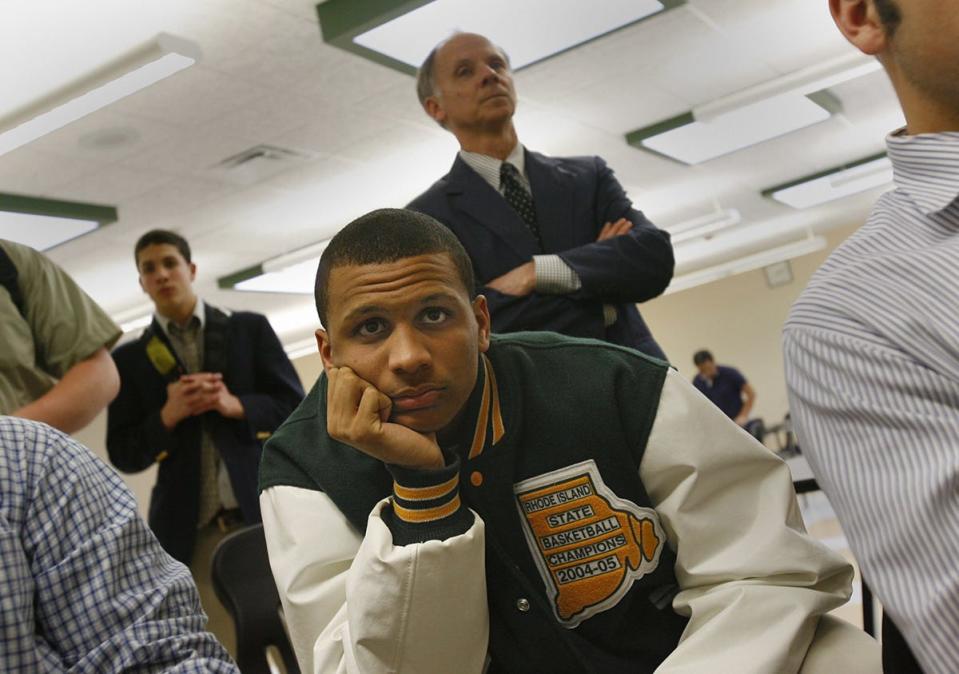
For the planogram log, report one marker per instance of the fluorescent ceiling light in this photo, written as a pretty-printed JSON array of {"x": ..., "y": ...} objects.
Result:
[
  {"x": 304, "y": 347},
  {"x": 42, "y": 232},
  {"x": 293, "y": 273},
  {"x": 529, "y": 31},
  {"x": 296, "y": 279},
  {"x": 754, "y": 115},
  {"x": 400, "y": 33},
  {"x": 44, "y": 223},
  {"x": 161, "y": 57},
  {"x": 747, "y": 263},
  {"x": 802, "y": 82},
  {"x": 834, "y": 184},
  {"x": 134, "y": 318},
  {"x": 692, "y": 142},
  {"x": 704, "y": 226},
  {"x": 136, "y": 323}
]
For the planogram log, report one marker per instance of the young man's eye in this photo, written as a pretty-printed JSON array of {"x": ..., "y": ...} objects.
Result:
[
  {"x": 435, "y": 316},
  {"x": 370, "y": 328}
]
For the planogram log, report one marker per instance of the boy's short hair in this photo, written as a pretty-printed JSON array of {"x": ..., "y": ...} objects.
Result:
[
  {"x": 387, "y": 235},
  {"x": 159, "y": 237}
]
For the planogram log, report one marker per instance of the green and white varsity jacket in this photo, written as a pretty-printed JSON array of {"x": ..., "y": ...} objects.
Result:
[{"x": 597, "y": 515}]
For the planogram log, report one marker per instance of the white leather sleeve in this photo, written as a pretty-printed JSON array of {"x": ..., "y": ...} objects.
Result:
[
  {"x": 752, "y": 581},
  {"x": 360, "y": 605}
]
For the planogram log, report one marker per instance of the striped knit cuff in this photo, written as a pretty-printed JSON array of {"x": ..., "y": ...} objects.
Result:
[{"x": 426, "y": 505}]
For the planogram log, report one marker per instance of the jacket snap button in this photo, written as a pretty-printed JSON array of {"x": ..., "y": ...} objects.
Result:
[
  {"x": 522, "y": 604},
  {"x": 476, "y": 478}
]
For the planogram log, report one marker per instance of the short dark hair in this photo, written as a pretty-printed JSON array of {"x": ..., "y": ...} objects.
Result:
[
  {"x": 702, "y": 356},
  {"x": 889, "y": 14},
  {"x": 387, "y": 235},
  {"x": 159, "y": 237},
  {"x": 426, "y": 77}
]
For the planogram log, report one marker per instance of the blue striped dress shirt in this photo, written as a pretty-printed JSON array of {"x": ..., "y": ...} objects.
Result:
[
  {"x": 872, "y": 366},
  {"x": 84, "y": 585}
]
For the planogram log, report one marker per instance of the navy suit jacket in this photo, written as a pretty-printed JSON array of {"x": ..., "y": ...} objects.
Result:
[
  {"x": 255, "y": 369},
  {"x": 574, "y": 198}
]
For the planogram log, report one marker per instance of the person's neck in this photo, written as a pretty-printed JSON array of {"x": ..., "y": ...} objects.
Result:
[
  {"x": 496, "y": 143},
  {"x": 931, "y": 119},
  {"x": 923, "y": 113},
  {"x": 181, "y": 313}
]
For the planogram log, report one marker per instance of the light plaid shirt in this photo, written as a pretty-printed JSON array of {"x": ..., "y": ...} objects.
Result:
[{"x": 84, "y": 585}]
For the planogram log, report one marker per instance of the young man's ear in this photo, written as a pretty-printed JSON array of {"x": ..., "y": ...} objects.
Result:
[
  {"x": 859, "y": 22},
  {"x": 483, "y": 322},
  {"x": 193, "y": 271},
  {"x": 323, "y": 345}
]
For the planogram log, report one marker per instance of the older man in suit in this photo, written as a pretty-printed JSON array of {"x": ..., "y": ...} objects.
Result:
[
  {"x": 555, "y": 241},
  {"x": 200, "y": 391}
]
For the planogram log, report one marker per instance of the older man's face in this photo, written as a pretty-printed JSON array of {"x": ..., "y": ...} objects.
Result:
[{"x": 473, "y": 84}]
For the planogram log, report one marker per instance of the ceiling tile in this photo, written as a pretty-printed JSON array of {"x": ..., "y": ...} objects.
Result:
[
  {"x": 192, "y": 96},
  {"x": 113, "y": 184},
  {"x": 29, "y": 171}
]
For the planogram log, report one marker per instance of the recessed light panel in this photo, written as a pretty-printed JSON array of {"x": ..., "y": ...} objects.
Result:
[
  {"x": 296, "y": 279},
  {"x": 529, "y": 31},
  {"x": 42, "y": 232},
  {"x": 693, "y": 142},
  {"x": 704, "y": 226},
  {"x": 150, "y": 63},
  {"x": 835, "y": 184},
  {"x": 747, "y": 263}
]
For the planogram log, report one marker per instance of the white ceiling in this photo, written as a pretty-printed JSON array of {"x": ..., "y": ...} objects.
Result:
[{"x": 267, "y": 77}]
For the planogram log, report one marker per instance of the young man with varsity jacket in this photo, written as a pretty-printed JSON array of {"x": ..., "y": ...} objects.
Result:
[{"x": 446, "y": 500}]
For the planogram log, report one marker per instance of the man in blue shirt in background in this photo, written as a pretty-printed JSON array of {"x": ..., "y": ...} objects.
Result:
[{"x": 725, "y": 386}]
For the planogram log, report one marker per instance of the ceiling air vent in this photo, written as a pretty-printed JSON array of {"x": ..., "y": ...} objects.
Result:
[{"x": 259, "y": 163}]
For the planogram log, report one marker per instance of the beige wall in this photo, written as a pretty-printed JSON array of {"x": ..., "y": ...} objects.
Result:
[{"x": 738, "y": 319}]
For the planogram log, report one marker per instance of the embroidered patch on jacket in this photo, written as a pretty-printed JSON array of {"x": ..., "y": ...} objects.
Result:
[{"x": 589, "y": 545}]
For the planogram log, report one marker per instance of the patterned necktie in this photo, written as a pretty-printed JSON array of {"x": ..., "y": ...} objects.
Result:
[{"x": 516, "y": 196}]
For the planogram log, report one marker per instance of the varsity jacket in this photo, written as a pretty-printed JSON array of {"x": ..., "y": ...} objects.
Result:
[{"x": 597, "y": 515}]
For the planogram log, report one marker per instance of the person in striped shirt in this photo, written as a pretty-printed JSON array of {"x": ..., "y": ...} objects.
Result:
[{"x": 871, "y": 356}]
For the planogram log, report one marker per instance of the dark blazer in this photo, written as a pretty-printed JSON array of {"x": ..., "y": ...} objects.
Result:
[
  {"x": 256, "y": 370},
  {"x": 574, "y": 198}
]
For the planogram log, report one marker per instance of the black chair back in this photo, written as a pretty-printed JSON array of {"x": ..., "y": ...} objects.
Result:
[{"x": 243, "y": 582}]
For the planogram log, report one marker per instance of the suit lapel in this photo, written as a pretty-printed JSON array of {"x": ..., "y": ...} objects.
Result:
[
  {"x": 473, "y": 198},
  {"x": 552, "y": 188},
  {"x": 216, "y": 337}
]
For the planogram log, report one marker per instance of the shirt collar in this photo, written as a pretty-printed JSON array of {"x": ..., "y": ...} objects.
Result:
[
  {"x": 926, "y": 167},
  {"x": 199, "y": 310},
  {"x": 489, "y": 167}
]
